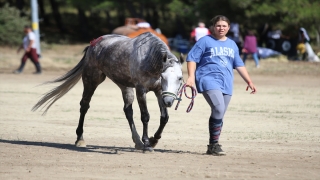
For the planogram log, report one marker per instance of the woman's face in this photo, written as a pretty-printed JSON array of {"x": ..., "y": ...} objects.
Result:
[{"x": 220, "y": 29}]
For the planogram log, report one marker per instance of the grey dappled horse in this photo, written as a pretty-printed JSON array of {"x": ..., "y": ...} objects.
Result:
[{"x": 144, "y": 63}]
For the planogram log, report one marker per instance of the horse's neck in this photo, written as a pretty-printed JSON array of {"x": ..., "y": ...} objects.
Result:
[
  {"x": 151, "y": 51},
  {"x": 153, "y": 61}
]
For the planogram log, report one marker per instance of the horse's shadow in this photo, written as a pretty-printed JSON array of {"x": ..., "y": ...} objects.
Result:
[{"x": 91, "y": 148}]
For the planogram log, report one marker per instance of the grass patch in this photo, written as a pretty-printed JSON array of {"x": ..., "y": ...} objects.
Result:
[
  {"x": 255, "y": 111},
  {"x": 16, "y": 92},
  {"x": 272, "y": 135},
  {"x": 99, "y": 118},
  {"x": 65, "y": 60},
  {"x": 279, "y": 112}
]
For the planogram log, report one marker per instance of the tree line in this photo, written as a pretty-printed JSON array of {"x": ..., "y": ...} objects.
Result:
[{"x": 82, "y": 20}]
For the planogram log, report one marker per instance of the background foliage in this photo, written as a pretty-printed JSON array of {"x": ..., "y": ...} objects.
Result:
[
  {"x": 11, "y": 28},
  {"x": 72, "y": 21}
]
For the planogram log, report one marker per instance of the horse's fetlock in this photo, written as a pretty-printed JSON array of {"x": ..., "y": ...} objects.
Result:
[
  {"x": 79, "y": 133},
  {"x": 157, "y": 137}
]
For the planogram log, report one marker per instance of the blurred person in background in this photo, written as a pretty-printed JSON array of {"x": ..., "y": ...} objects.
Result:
[
  {"x": 234, "y": 34},
  {"x": 29, "y": 45},
  {"x": 199, "y": 32},
  {"x": 305, "y": 51},
  {"x": 301, "y": 47},
  {"x": 250, "y": 47},
  {"x": 263, "y": 35}
]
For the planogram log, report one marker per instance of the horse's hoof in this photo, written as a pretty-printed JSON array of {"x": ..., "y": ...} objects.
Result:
[
  {"x": 138, "y": 146},
  {"x": 80, "y": 143},
  {"x": 153, "y": 141},
  {"x": 147, "y": 150}
]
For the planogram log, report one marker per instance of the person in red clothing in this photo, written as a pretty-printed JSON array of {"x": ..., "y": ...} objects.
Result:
[
  {"x": 250, "y": 47},
  {"x": 29, "y": 46}
]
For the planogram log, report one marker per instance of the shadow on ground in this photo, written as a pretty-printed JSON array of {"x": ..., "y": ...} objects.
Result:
[{"x": 91, "y": 148}]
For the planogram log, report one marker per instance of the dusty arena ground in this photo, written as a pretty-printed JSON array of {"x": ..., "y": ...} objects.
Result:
[{"x": 274, "y": 134}]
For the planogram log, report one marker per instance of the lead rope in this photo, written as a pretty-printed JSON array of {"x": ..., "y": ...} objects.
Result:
[{"x": 194, "y": 94}]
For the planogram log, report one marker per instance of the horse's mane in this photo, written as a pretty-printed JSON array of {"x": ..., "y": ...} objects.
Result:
[{"x": 150, "y": 48}]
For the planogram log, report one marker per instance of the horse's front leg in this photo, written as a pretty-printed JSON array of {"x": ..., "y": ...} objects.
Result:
[
  {"x": 164, "y": 117},
  {"x": 128, "y": 97},
  {"x": 141, "y": 97}
]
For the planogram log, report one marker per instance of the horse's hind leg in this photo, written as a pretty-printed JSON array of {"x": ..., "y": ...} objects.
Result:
[
  {"x": 128, "y": 98},
  {"x": 163, "y": 120},
  {"x": 91, "y": 78}
]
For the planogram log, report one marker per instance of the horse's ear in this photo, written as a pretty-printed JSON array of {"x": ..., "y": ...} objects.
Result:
[
  {"x": 181, "y": 58},
  {"x": 165, "y": 57}
]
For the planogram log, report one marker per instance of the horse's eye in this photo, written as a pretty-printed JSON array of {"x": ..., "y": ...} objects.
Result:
[{"x": 180, "y": 78}]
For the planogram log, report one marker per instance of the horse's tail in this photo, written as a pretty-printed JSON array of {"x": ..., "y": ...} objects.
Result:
[{"x": 69, "y": 80}]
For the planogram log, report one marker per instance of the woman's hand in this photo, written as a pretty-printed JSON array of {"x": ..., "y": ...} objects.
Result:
[
  {"x": 20, "y": 47},
  {"x": 28, "y": 49},
  {"x": 190, "y": 81},
  {"x": 252, "y": 87},
  {"x": 245, "y": 76}
]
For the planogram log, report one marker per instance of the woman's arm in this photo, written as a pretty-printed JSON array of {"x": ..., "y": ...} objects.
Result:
[
  {"x": 191, "y": 73},
  {"x": 245, "y": 76}
]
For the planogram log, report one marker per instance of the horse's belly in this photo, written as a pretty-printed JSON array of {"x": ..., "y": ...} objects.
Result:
[
  {"x": 121, "y": 81},
  {"x": 119, "y": 77}
]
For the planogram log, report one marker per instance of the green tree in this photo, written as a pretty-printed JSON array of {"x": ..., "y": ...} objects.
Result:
[
  {"x": 11, "y": 29},
  {"x": 304, "y": 13},
  {"x": 281, "y": 13},
  {"x": 89, "y": 19}
]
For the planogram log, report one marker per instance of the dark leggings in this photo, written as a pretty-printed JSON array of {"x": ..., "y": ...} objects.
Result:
[{"x": 219, "y": 103}]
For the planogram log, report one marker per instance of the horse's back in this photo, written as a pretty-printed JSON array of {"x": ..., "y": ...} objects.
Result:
[
  {"x": 114, "y": 38},
  {"x": 129, "y": 61},
  {"x": 141, "y": 41}
]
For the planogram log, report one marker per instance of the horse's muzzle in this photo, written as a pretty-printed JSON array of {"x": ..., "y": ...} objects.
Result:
[
  {"x": 168, "y": 101},
  {"x": 168, "y": 98}
]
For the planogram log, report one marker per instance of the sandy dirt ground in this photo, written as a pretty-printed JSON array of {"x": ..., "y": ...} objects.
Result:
[{"x": 274, "y": 134}]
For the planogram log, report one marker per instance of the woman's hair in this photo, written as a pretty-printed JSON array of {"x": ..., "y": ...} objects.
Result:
[{"x": 219, "y": 18}]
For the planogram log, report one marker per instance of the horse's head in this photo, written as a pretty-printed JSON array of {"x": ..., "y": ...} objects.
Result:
[{"x": 171, "y": 79}]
